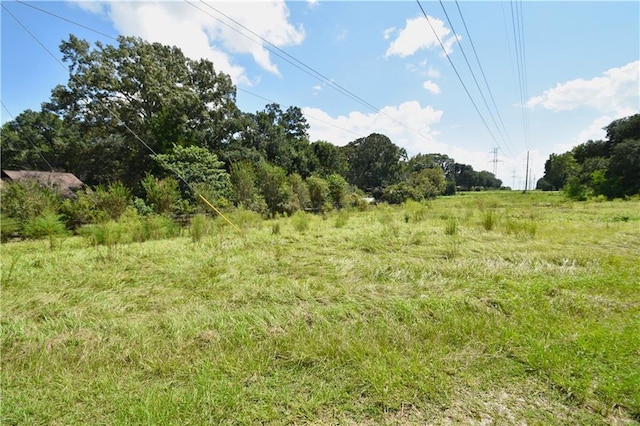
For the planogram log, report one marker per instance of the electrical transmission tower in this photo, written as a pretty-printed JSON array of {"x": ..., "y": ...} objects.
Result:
[{"x": 495, "y": 160}]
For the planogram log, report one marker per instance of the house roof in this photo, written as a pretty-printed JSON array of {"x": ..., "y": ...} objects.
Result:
[{"x": 64, "y": 181}]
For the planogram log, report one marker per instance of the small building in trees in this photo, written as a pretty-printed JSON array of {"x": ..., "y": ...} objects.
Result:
[{"x": 65, "y": 183}]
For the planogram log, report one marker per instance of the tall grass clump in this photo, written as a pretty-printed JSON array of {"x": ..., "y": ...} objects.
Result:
[
  {"x": 341, "y": 218},
  {"x": 451, "y": 227},
  {"x": 199, "y": 227},
  {"x": 415, "y": 211},
  {"x": 520, "y": 228},
  {"x": 489, "y": 220},
  {"x": 245, "y": 219},
  {"x": 300, "y": 221}
]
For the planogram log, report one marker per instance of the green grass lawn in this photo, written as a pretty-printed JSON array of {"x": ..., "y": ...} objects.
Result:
[{"x": 487, "y": 307}]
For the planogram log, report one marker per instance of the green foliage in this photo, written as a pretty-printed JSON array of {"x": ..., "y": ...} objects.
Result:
[
  {"x": 300, "y": 198},
  {"x": 300, "y": 221},
  {"x": 28, "y": 199},
  {"x": 199, "y": 226},
  {"x": 171, "y": 99},
  {"x": 9, "y": 227},
  {"x": 489, "y": 219},
  {"x": 162, "y": 195},
  {"x": 80, "y": 210},
  {"x": 576, "y": 190},
  {"x": 338, "y": 190},
  {"x": 274, "y": 187},
  {"x": 113, "y": 200},
  {"x": 451, "y": 227},
  {"x": 374, "y": 162},
  {"x": 609, "y": 167},
  {"x": 200, "y": 168},
  {"x": 40, "y": 141},
  {"x": 46, "y": 225},
  {"x": 318, "y": 192},
  {"x": 331, "y": 159},
  {"x": 246, "y": 194}
]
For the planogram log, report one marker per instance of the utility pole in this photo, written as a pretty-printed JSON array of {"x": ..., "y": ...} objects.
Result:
[
  {"x": 513, "y": 177},
  {"x": 526, "y": 175}
]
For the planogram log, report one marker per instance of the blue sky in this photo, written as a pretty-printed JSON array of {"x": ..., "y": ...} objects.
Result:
[{"x": 581, "y": 62}]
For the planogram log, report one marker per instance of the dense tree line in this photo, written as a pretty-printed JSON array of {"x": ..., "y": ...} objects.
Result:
[
  {"x": 145, "y": 121},
  {"x": 609, "y": 167}
]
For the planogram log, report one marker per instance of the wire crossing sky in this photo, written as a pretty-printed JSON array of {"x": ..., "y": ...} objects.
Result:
[{"x": 555, "y": 72}]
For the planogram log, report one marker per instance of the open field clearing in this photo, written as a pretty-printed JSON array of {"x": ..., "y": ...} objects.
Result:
[{"x": 483, "y": 308}]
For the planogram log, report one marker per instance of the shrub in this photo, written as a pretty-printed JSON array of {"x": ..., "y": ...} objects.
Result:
[
  {"x": 28, "y": 199},
  {"x": 338, "y": 190},
  {"x": 162, "y": 195},
  {"x": 113, "y": 200},
  {"x": 9, "y": 228},
  {"x": 318, "y": 192},
  {"x": 46, "y": 225}
]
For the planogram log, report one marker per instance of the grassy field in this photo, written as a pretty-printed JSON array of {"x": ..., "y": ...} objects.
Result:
[{"x": 484, "y": 308}]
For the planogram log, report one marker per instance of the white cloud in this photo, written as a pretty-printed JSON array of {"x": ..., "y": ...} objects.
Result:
[
  {"x": 433, "y": 73},
  {"x": 416, "y": 35},
  {"x": 431, "y": 86},
  {"x": 408, "y": 125},
  {"x": 312, "y": 3},
  {"x": 198, "y": 29},
  {"x": 388, "y": 33},
  {"x": 615, "y": 92},
  {"x": 413, "y": 131}
]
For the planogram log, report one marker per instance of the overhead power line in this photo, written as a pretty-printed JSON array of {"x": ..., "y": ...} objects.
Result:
[
  {"x": 301, "y": 65},
  {"x": 458, "y": 74},
  {"x": 484, "y": 77},
  {"x": 518, "y": 38},
  {"x": 473, "y": 75}
]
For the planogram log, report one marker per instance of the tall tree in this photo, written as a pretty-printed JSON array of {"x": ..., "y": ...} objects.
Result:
[
  {"x": 40, "y": 141},
  {"x": 150, "y": 89},
  {"x": 374, "y": 162}
]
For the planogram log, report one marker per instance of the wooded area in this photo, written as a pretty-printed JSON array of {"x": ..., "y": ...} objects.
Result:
[{"x": 140, "y": 111}]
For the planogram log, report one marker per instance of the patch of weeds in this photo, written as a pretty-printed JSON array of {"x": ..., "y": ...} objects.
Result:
[
  {"x": 341, "y": 218},
  {"x": 199, "y": 226},
  {"x": 452, "y": 248},
  {"x": 415, "y": 211},
  {"x": 300, "y": 221},
  {"x": 451, "y": 227},
  {"x": 520, "y": 228},
  {"x": 489, "y": 220},
  {"x": 275, "y": 228}
]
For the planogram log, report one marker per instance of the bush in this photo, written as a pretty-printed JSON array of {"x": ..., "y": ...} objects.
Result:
[
  {"x": 318, "y": 192},
  {"x": 47, "y": 225},
  {"x": 113, "y": 200},
  {"x": 338, "y": 190},
  {"x": 162, "y": 195},
  {"x": 28, "y": 199},
  {"x": 9, "y": 228}
]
